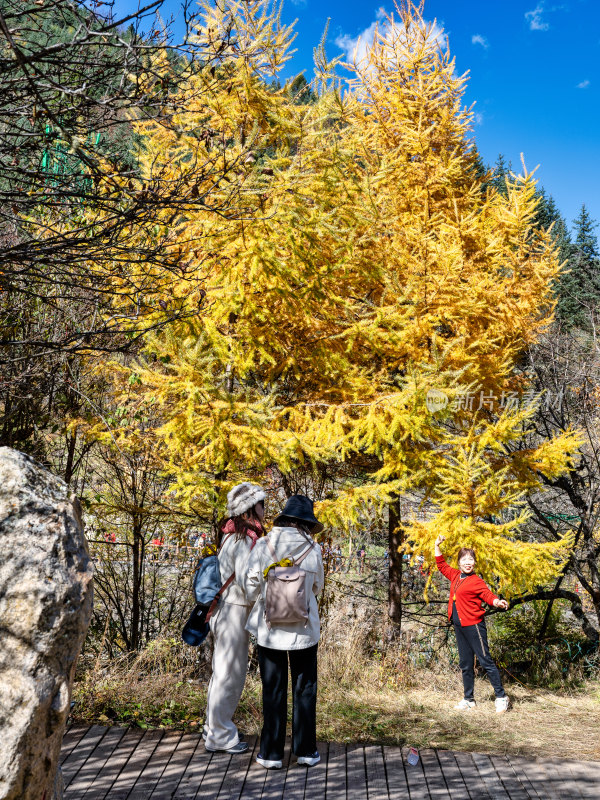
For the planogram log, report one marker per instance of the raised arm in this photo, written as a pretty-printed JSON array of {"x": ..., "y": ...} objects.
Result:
[{"x": 446, "y": 570}]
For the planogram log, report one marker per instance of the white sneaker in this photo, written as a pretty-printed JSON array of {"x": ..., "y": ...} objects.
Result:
[
  {"x": 502, "y": 704},
  {"x": 465, "y": 705},
  {"x": 309, "y": 761},
  {"x": 264, "y": 762}
]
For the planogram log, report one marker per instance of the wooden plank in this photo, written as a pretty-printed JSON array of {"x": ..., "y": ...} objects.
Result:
[
  {"x": 135, "y": 765},
  {"x": 296, "y": 779},
  {"x": 150, "y": 776},
  {"x": 196, "y": 769},
  {"x": 528, "y": 777},
  {"x": 119, "y": 764},
  {"x": 277, "y": 779},
  {"x": 316, "y": 777},
  {"x": 355, "y": 770},
  {"x": 82, "y": 752},
  {"x": 546, "y": 784},
  {"x": 415, "y": 777},
  {"x": 396, "y": 776},
  {"x": 255, "y": 778},
  {"x": 452, "y": 775},
  {"x": 238, "y": 769},
  {"x": 109, "y": 772},
  {"x": 561, "y": 777},
  {"x": 490, "y": 778},
  {"x": 510, "y": 781},
  {"x": 336, "y": 772},
  {"x": 375, "y": 769},
  {"x": 209, "y": 786},
  {"x": 434, "y": 775},
  {"x": 587, "y": 775},
  {"x": 90, "y": 770},
  {"x": 472, "y": 778},
  {"x": 71, "y": 739},
  {"x": 176, "y": 767}
]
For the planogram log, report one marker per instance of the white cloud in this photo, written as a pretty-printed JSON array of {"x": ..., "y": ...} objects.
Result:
[
  {"x": 300, "y": 3},
  {"x": 478, "y": 118},
  {"x": 356, "y": 47},
  {"x": 479, "y": 39},
  {"x": 535, "y": 19},
  {"x": 583, "y": 84}
]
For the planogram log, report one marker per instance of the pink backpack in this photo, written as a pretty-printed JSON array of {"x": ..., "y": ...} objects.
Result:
[{"x": 286, "y": 602}]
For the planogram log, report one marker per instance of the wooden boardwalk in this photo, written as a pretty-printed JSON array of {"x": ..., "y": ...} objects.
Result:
[{"x": 129, "y": 764}]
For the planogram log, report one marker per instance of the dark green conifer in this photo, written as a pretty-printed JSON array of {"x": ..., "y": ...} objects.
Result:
[
  {"x": 548, "y": 215},
  {"x": 578, "y": 289}
]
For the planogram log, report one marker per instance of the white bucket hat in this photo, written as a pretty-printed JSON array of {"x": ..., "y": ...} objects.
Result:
[{"x": 243, "y": 497}]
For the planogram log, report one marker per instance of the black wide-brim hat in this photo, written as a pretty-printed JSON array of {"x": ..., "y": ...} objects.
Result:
[{"x": 300, "y": 507}]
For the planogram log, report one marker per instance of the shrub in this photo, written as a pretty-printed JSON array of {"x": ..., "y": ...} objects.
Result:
[{"x": 562, "y": 657}]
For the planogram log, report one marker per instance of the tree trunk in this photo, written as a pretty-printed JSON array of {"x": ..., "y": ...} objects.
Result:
[
  {"x": 71, "y": 443},
  {"x": 137, "y": 556},
  {"x": 395, "y": 541}
]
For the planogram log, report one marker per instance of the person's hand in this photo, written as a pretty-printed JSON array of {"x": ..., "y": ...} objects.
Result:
[
  {"x": 441, "y": 538},
  {"x": 503, "y": 604}
]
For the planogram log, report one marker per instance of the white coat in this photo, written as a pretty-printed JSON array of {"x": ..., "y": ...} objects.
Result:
[
  {"x": 230, "y": 652},
  {"x": 287, "y": 543},
  {"x": 233, "y": 557}
]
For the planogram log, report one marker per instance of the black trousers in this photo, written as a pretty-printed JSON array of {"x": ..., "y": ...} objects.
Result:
[
  {"x": 274, "y": 676},
  {"x": 472, "y": 641}
]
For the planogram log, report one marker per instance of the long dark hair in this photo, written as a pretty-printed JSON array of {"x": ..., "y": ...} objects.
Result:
[
  {"x": 241, "y": 522},
  {"x": 292, "y": 522}
]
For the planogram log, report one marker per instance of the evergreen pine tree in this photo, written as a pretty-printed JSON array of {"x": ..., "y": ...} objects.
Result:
[
  {"x": 548, "y": 217},
  {"x": 578, "y": 288},
  {"x": 500, "y": 172}
]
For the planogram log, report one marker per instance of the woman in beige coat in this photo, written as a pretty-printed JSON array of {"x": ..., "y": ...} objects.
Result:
[
  {"x": 290, "y": 538},
  {"x": 237, "y": 536}
]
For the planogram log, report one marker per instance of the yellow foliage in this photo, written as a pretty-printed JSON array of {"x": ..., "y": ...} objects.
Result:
[{"x": 348, "y": 260}]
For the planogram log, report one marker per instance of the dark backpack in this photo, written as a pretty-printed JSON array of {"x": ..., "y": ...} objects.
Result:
[
  {"x": 196, "y": 628},
  {"x": 207, "y": 580},
  {"x": 207, "y": 593},
  {"x": 208, "y": 590}
]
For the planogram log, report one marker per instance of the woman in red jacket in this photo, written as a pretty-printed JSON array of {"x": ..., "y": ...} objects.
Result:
[{"x": 465, "y": 610}]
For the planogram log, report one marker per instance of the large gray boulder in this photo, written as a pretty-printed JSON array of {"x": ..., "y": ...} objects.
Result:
[{"x": 45, "y": 608}]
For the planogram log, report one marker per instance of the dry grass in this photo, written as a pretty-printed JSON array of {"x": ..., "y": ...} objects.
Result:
[
  {"x": 540, "y": 724},
  {"x": 157, "y": 688},
  {"x": 365, "y": 695},
  {"x": 389, "y": 700}
]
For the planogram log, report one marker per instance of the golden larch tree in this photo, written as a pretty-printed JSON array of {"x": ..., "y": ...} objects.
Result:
[
  {"x": 363, "y": 264},
  {"x": 459, "y": 285}
]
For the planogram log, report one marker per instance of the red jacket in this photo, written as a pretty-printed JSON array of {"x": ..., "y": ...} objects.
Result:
[{"x": 469, "y": 593}]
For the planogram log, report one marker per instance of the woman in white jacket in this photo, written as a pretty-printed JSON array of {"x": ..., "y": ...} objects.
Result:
[
  {"x": 237, "y": 536},
  {"x": 291, "y": 537}
]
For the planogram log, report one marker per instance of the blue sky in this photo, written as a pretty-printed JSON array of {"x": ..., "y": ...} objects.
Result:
[{"x": 534, "y": 77}]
